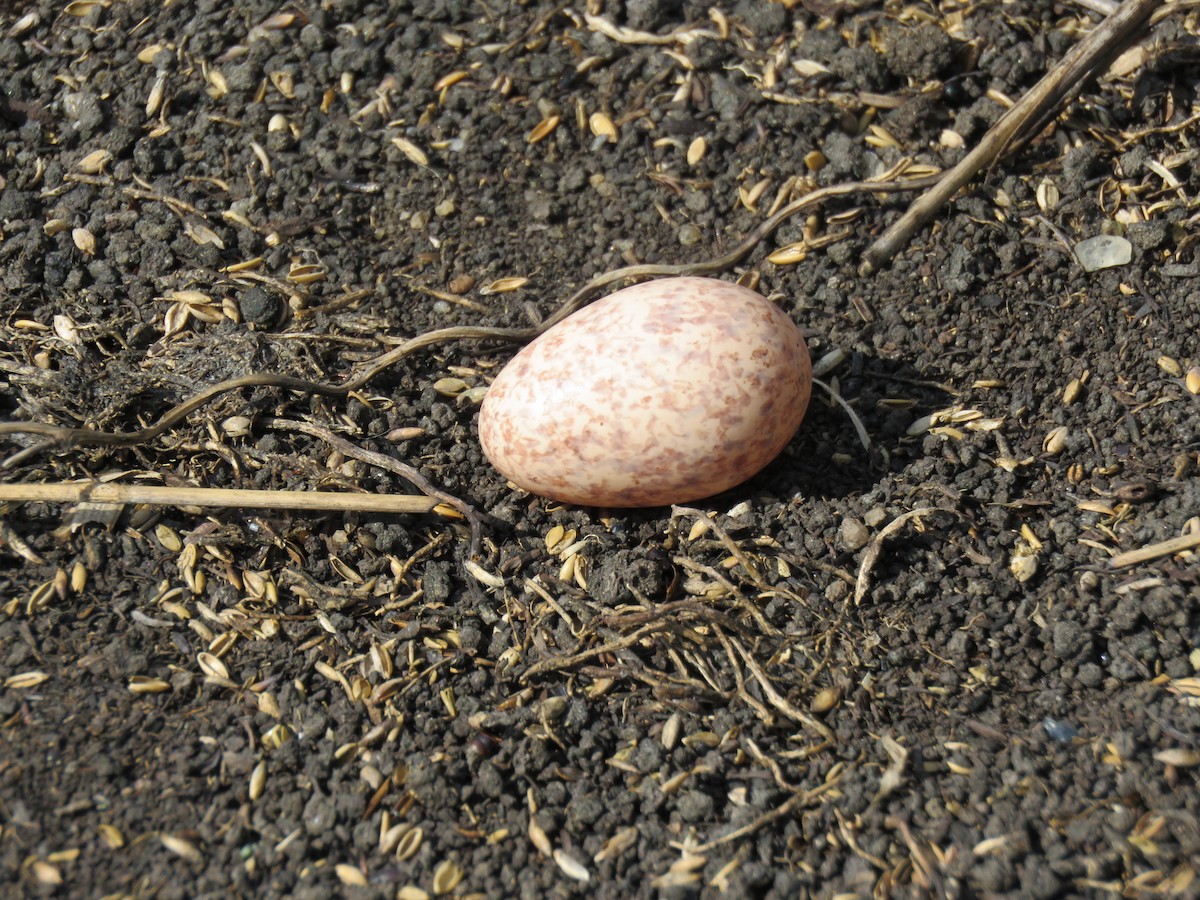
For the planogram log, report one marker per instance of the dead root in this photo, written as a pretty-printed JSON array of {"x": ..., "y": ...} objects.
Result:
[{"x": 862, "y": 584}]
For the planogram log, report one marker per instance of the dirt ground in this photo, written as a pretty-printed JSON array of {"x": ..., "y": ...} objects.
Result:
[{"x": 926, "y": 668}]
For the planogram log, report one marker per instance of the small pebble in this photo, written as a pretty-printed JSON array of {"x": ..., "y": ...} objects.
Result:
[
  {"x": 853, "y": 534},
  {"x": 1058, "y": 730}
]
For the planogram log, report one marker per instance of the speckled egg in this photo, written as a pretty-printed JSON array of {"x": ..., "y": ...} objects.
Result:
[{"x": 665, "y": 392}]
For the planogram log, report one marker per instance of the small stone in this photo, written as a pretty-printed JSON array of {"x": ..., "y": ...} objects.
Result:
[
  {"x": 1104, "y": 251},
  {"x": 695, "y": 806},
  {"x": 259, "y": 307},
  {"x": 853, "y": 534},
  {"x": 875, "y": 517},
  {"x": 460, "y": 284}
]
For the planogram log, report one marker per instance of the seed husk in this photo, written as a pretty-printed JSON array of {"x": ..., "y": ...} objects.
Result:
[
  {"x": 1180, "y": 757},
  {"x": 602, "y": 126},
  {"x": 675, "y": 782},
  {"x": 391, "y": 838},
  {"x": 448, "y": 81},
  {"x": 1023, "y": 565},
  {"x": 212, "y": 666},
  {"x": 47, "y": 874},
  {"x": 285, "y": 83},
  {"x": 81, "y": 8},
  {"x": 258, "y": 780},
  {"x": 1071, "y": 394},
  {"x": 412, "y": 152},
  {"x": 351, "y": 876},
  {"x": 572, "y": 867},
  {"x": 40, "y": 598},
  {"x": 447, "y": 877},
  {"x": 789, "y": 255},
  {"x": 825, "y": 700},
  {"x": 539, "y": 837},
  {"x": 450, "y": 387},
  {"x": 168, "y": 537},
  {"x": 276, "y": 736},
  {"x": 23, "y": 24},
  {"x": 409, "y": 844},
  {"x": 263, "y": 159},
  {"x": 142, "y": 684},
  {"x": 79, "y": 575},
  {"x": 180, "y": 847},
  {"x": 94, "y": 162},
  {"x": 1047, "y": 196},
  {"x": 218, "y": 87},
  {"x": 25, "y": 680},
  {"x": 543, "y": 129},
  {"x": 1171, "y": 366},
  {"x": 84, "y": 240},
  {"x": 617, "y": 844},
  {"x": 1056, "y": 441},
  {"x": 670, "y": 732},
  {"x": 505, "y": 285}
]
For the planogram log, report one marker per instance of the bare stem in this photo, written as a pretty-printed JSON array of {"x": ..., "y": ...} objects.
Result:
[{"x": 102, "y": 492}]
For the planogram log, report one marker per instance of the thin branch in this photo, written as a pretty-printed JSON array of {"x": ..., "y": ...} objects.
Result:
[
  {"x": 1155, "y": 551},
  {"x": 777, "y": 699},
  {"x": 388, "y": 464},
  {"x": 794, "y": 802},
  {"x": 226, "y": 498},
  {"x": 1026, "y": 118}
]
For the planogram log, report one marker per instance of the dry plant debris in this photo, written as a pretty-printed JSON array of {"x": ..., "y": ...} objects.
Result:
[{"x": 562, "y": 701}]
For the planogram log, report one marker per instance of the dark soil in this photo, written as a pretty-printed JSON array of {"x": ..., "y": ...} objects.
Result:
[{"x": 253, "y": 704}]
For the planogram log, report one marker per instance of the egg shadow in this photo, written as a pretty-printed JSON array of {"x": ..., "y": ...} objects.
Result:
[{"x": 826, "y": 459}]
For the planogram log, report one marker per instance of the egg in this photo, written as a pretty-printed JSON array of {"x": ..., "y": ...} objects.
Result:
[{"x": 666, "y": 392}]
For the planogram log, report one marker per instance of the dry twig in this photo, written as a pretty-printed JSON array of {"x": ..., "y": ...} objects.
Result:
[
  {"x": 225, "y": 498},
  {"x": 1156, "y": 551},
  {"x": 1023, "y": 121}
]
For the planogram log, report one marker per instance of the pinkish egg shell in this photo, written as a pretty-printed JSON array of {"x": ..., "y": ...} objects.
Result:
[{"x": 665, "y": 392}]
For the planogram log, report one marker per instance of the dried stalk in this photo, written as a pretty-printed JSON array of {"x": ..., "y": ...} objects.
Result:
[
  {"x": 1155, "y": 551},
  {"x": 225, "y": 498},
  {"x": 1024, "y": 120}
]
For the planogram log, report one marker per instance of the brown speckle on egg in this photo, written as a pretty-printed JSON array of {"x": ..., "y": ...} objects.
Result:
[{"x": 665, "y": 392}]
